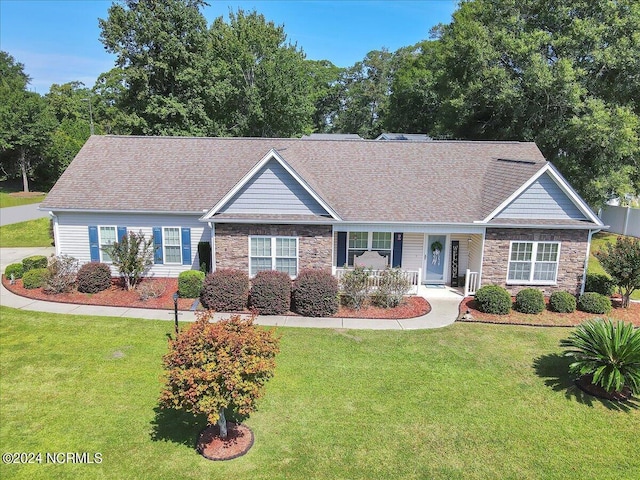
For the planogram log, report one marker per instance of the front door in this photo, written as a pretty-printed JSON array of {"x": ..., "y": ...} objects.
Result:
[{"x": 435, "y": 258}]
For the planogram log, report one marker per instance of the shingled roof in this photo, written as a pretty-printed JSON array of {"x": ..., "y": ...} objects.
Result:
[{"x": 361, "y": 180}]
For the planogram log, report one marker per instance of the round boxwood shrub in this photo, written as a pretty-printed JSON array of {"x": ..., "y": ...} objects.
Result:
[
  {"x": 225, "y": 290},
  {"x": 562, "y": 302},
  {"x": 529, "y": 300},
  {"x": 34, "y": 278},
  {"x": 315, "y": 293},
  {"x": 599, "y": 283},
  {"x": 93, "y": 277},
  {"x": 271, "y": 292},
  {"x": 190, "y": 283},
  {"x": 592, "y": 302},
  {"x": 15, "y": 269},
  {"x": 34, "y": 261},
  {"x": 493, "y": 299}
]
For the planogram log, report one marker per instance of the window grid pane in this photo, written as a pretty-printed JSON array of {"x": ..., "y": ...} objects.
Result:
[
  {"x": 381, "y": 241},
  {"x": 172, "y": 236},
  {"x": 261, "y": 247},
  {"x": 521, "y": 251},
  {"x": 285, "y": 247},
  {"x": 358, "y": 240},
  {"x": 545, "y": 271},
  {"x": 107, "y": 237},
  {"x": 519, "y": 271},
  {"x": 260, "y": 264},
  {"x": 287, "y": 265},
  {"x": 547, "y": 252},
  {"x": 172, "y": 254}
]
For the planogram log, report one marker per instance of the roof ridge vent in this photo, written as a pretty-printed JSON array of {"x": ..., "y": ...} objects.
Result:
[{"x": 512, "y": 160}]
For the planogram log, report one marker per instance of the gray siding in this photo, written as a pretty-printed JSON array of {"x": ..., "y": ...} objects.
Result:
[
  {"x": 273, "y": 191},
  {"x": 543, "y": 199},
  {"x": 73, "y": 235}
]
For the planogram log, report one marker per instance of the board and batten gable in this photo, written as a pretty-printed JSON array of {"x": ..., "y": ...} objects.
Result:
[
  {"x": 542, "y": 199},
  {"x": 72, "y": 234},
  {"x": 273, "y": 190}
]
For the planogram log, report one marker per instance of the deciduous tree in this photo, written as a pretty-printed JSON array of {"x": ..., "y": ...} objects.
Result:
[{"x": 621, "y": 260}]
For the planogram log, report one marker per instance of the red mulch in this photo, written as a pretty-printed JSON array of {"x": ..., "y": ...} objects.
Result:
[
  {"x": 116, "y": 296},
  {"x": 548, "y": 318},
  {"x": 238, "y": 442}
]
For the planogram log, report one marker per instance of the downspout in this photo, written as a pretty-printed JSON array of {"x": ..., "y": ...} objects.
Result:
[
  {"x": 586, "y": 261},
  {"x": 56, "y": 236},
  {"x": 212, "y": 227}
]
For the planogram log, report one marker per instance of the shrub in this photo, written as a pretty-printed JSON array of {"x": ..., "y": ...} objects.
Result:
[
  {"x": 354, "y": 286},
  {"x": 392, "y": 288},
  {"x": 529, "y": 300},
  {"x": 271, "y": 292},
  {"x": 61, "y": 277},
  {"x": 493, "y": 299},
  {"x": 190, "y": 283},
  {"x": 315, "y": 293},
  {"x": 34, "y": 278},
  {"x": 93, "y": 277},
  {"x": 15, "y": 269},
  {"x": 225, "y": 290},
  {"x": 35, "y": 261},
  {"x": 599, "y": 283},
  {"x": 562, "y": 302},
  {"x": 132, "y": 256},
  {"x": 147, "y": 290},
  {"x": 592, "y": 302},
  {"x": 607, "y": 351}
]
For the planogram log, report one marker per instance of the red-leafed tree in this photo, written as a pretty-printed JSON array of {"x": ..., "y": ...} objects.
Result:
[
  {"x": 622, "y": 261},
  {"x": 216, "y": 367}
]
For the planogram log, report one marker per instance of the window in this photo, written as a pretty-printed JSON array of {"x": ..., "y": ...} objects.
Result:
[
  {"x": 533, "y": 262},
  {"x": 106, "y": 238},
  {"x": 360, "y": 242},
  {"x": 273, "y": 253},
  {"x": 171, "y": 245}
]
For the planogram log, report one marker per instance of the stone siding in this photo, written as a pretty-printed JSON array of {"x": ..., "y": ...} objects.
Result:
[
  {"x": 573, "y": 252},
  {"x": 232, "y": 245}
]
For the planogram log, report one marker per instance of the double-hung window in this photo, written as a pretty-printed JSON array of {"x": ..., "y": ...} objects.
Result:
[
  {"x": 107, "y": 235},
  {"x": 273, "y": 253},
  {"x": 171, "y": 243},
  {"x": 533, "y": 262},
  {"x": 360, "y": 242}
]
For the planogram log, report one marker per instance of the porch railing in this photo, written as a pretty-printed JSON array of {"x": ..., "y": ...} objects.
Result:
[
  {"x": 471, "y": 283},
  {"x": 414, "y": 276}
]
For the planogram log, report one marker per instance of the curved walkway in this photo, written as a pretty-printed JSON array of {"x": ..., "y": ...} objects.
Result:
[{"x": 444, "y": 308}]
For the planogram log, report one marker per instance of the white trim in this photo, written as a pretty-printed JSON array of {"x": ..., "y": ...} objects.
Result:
[
  {"x": 271, "y": 155},
  {"x": 445, "y": 258},
  {"x": 212, "y": 242},
  {"x": 56, "y": 234},
  {"x": 100, "y": 245},
  {"x": 164, "y": 246},
  {"x": 532, "y": 262},
  {"x": 273, "y": 239},
  {"x": 560, "y": 182}
]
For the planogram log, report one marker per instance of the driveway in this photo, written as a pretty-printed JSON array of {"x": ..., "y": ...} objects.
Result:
[{"x": 22, "y": 213}]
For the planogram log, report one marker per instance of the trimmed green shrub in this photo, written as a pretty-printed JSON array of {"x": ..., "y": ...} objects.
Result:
[
  {"x": 34, "y": 278},
  {"x": 63, "y": 270},
  {"x": 35, "y": 261},
  {"x": 493, "y": 299},
  {"x": 392, "y": 288},
  {"x": 599, "y": 283},
  {"x": 271, "y": 292},
  {"x": 225, "y": 290},
  {"x": 315, "y": 293},
  {"x": 17, "y": 269},
  {"x": 93, "y": 277},
  {"x": 529, "y": 300},
  {"x": 592, "y": 302},
  {"x": 190, "y": 283},
  {"x": 355, "y": 287},
  {"x": 562, "y": 302}
]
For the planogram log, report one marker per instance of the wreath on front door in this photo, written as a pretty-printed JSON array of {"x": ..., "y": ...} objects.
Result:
[{"x": 436, "y": 248}]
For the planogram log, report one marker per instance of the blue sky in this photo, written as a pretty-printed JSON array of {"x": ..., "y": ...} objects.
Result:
[{"x": 58, "y": 40}]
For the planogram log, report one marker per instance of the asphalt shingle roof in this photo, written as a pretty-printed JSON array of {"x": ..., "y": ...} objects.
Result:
[{"x": 362, "y": 180}]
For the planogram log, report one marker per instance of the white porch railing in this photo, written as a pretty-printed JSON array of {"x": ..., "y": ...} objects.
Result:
[
  {"x": 471, "y": 283},
  {"x": 414, "y": 276}
]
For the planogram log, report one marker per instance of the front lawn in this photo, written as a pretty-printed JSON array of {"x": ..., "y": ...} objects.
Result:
[
  {"x": 467, "y": 401},
  {"x": 33, "y": 233},
  {"x": 17, "y": 199}
]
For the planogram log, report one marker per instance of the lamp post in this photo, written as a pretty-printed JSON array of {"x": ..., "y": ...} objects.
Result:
[{"x": 175, "y": 311}]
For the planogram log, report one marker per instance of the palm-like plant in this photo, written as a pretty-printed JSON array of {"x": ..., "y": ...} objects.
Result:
[{"x": 607, "y": 351}]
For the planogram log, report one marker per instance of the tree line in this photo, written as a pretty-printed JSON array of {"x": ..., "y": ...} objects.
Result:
[{"x": 563, "y": 74}]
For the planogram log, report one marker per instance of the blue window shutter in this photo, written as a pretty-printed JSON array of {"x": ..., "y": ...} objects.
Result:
[
  {"x": 397, "y": 250},
  {"x": 186, "y": 246},
  {"x": 122, "y": 232},
  {"x": 157, "y": 244},
  {"x": 94, "y": 245},
  {"x": 341, "y": 259}
]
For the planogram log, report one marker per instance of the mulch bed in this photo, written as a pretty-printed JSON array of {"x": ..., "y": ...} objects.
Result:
[
  {"x": 585, "y": 383},
  {"x": 116, "y": 296},
  {"x": 238, "y": 442},
  {"x": 547, "y": 318}
]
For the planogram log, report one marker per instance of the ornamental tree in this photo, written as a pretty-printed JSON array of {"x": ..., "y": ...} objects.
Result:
[
  {"x": 622, "y": 261},
  {"x": 132, "y": 256},
  {"x": 216, "y": 367}
]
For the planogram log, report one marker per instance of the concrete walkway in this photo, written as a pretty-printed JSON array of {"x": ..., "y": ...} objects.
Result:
[
  {"x": 21, "y": 213},
  {"x": 444, "y": 308}
]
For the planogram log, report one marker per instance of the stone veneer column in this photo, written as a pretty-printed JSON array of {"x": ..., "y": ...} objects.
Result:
[
  {"x": 573, "y": 251},
  {"x": 232, "y": 243}
]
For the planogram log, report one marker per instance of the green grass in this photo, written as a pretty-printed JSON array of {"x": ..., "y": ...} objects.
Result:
[
  {"x": 598, "y": 242},
  {"x": 33, "y": 233},
  {"x": 467, "y": 401},
  {"x": 7, "y": 200}
]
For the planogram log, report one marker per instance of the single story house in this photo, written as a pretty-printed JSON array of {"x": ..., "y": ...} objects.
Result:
[{"x": 461, "y": 213}]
